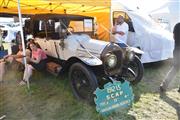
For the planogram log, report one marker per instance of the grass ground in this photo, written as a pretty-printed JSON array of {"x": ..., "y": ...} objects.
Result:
[{"x": 50, "y": 98}]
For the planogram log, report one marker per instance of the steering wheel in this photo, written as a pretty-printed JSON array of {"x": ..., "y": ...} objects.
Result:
[{"x": 70, "y": 29}]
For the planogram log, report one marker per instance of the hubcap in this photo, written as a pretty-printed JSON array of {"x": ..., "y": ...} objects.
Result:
[{"x": 81, "y": 84}]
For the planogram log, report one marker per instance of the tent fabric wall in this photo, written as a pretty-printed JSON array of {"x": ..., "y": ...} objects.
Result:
[{"x": 99, "y": 9}]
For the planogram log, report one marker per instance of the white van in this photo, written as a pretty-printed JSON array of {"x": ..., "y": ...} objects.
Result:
[
  {"x": 144, "y": 33},
  {"x": 9, "y": 33}
]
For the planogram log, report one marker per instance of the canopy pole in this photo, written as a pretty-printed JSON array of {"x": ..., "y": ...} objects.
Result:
[
  {"x": 22, "y": 38},
  {"x": 1, "y": 45},
  {"x": 111, "y": 17}
]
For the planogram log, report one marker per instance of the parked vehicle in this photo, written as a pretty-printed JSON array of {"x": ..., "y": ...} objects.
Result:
[
  {"x": 69, "y": 41},
  {"x": 9, "y": 33}
]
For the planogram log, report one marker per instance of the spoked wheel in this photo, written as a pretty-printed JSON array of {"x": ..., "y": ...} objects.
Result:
[
  {"x": 135, "y": 71},
  {"x": 83, "y": 82}
]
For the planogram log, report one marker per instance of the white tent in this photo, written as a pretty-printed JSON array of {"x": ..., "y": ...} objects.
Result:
[
  {"x": 156, "y": 42},
  {"x": 169, "y": 12},
  {"x": 165, "y": 10}
]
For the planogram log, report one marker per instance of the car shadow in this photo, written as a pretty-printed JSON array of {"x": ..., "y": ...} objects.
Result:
[
  {"x": 154, "y": 73},
  {"x": 171, "y": 102},
  {"x": 124, "y": 116}
]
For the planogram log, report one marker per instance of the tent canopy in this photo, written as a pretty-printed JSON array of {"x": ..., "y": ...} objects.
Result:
[
  {"x": 54, "y": 6},
  {"x": 99, "y": 9}
]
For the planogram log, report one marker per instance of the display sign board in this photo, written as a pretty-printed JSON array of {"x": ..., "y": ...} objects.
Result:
[{"x": 113, "y": 97}]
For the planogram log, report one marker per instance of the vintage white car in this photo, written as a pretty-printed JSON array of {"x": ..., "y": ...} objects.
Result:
[{"x": 69, "y": 42}]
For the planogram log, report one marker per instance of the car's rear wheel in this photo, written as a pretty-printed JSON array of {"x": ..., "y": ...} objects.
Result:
[{"x": 83, "y": 82}]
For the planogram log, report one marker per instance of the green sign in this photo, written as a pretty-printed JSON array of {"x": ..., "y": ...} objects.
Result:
[{"x": 114, "y": 96}]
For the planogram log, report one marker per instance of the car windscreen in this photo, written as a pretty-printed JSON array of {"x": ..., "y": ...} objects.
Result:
[
  {"x": 54, "y": 28},
  {"x": 85, "y": 25}
]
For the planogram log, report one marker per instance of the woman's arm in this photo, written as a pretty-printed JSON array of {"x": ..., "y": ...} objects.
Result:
[{"x": 36, "y": 60}]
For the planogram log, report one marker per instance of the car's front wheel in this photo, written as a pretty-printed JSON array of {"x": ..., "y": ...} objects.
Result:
[
  {"x": 83, "y": 82},
  {"x": 134, "y": 71}
]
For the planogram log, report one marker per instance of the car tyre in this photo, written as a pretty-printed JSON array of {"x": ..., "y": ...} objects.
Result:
[
  {"x": 137, "y": 67},
  {"x": 83, "y": 82}
]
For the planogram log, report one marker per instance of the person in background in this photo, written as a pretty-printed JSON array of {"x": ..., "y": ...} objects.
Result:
[
  {"x": 176, "y": 60},
  {"x": 120, "y": 30},
  {"x": 15, "y": 62},
  {"x": 1, "y": 45},
  {"x": 14, "y": 47},
  {"x": 37, "y": 62},
  {"x": 18, "y": 37},
  {"x": 31, "y": 40}
]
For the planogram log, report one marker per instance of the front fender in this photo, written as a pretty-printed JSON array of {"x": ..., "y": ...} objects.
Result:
[
  {"x": 91, "y": 61},
  {"x": 136, "y": 50}
]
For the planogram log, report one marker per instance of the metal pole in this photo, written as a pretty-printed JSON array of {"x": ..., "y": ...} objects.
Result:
[
  {"x": 1, "y": 39},
  {"x": 22, "y": 38},
  {"x": 110, "y": 34}
]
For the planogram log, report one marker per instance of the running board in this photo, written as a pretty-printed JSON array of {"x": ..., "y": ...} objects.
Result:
[{"x": 53, "y": 68}]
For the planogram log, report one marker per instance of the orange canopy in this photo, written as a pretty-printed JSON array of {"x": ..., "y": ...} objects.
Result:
[
  {"x": 54, "y": 6},
  {"x": 99, "y": 9}
]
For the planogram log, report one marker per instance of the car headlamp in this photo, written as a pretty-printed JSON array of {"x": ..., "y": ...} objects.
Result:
[
  {"x": 111, "y": 60},
  {"x": 131, "y": 56},
  {"x": 112, "y": 57}
]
